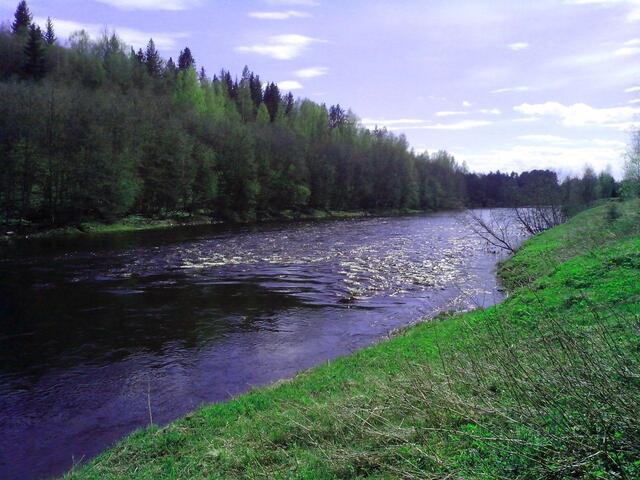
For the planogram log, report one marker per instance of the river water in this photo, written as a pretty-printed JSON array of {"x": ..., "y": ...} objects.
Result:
[{"x": 91, "y": 330}]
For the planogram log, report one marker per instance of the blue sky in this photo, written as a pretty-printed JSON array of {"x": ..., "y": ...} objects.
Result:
[{"x": 509, "y": 85}]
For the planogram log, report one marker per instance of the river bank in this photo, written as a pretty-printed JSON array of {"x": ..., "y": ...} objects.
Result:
[
  {"x": 543, "y": 385},
  {"x": 136, "y": 223}
]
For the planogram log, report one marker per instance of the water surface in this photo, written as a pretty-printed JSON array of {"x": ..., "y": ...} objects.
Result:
[{"x": 90, "y": 330}]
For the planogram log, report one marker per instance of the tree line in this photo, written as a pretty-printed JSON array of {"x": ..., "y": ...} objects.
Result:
[{"x": 93, "y": 129}]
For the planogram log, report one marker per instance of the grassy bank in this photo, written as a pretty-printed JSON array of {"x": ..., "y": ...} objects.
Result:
[
  {"x": 135, "y": 223},
  {"x": 545, "y": 385}
]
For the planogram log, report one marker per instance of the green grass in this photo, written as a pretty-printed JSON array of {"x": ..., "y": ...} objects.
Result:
[{"x": 544, "y": 385}]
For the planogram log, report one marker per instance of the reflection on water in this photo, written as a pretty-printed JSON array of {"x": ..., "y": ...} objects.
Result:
[{"x": 198, "y": 315}]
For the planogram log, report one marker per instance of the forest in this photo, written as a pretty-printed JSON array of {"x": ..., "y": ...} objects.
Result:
[{"x": 91, "y": 129}]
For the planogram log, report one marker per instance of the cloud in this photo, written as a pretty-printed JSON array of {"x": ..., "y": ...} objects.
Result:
[
  {"x": 288, "y": 85},
  {"x": 304, "y": 3},
  {"x": 462, "y": 125},
  {"x": 382, "y": 122},
  {"x": 134, "y": 38},
  {"x": 633, "y": 15},
  {"x": 581, "y": 114},
  {"x": 284, "y": 15},
  {"x": 172, "y": 5},
  {"x": 450, "y": 113},
  {"x": 466, "y": 104},
  {"x": 490, "y": 111},
  {"x": 632, "y": 90},
  {"x": 281, "y": 47},
  {"x": 572, "y": 157},
  {"x": 516, "y": 47},
  {"x": 311, "y": 72},
  {"x": 519, "y": 88},
  {"x": 544, "y": 139},
  {"x": 630, "y": 47}
]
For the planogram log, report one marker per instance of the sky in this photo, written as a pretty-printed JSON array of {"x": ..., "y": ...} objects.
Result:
[{"x": 502, "y": 85}]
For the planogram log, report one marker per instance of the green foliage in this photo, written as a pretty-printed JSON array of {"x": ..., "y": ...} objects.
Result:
[
  {"x": 188, "y": 93},
  {"x": 50, "y": 35},
  {"x": 105, "y": 132},
  {"x": 35, "y": 61},
  {"x": 22, "y": 19}
]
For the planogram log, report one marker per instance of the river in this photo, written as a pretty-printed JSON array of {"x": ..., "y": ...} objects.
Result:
[{"x": 92, "y": 330}]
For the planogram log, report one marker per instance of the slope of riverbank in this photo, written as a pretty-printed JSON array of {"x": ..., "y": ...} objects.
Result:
[
  {"x": 136, "y": 223},
  {"x": 545, "y": 385}
]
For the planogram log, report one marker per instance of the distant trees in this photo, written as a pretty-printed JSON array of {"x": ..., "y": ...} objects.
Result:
[
  {"x": 631, "y": 183},
  {"x": 50, "y": 34},
  {"x": 35, "y": 61},
  {"x": 22, "y": 19},
  {"x": 97, "y": 130},
  {"x": 152, "y": 60}
]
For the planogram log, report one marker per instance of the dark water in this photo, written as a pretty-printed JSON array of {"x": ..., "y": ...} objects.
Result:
[{"x": 191, "y": 316}]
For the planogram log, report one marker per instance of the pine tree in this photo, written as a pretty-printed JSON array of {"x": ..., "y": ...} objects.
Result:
[
  {"x": 256, "y": 89},
  {"x": 22, "y": 19},
  {"x": 272, "y": 100},
  {"x": 288, "y": 103},
  {"x": 139, "y": 56},
  {"x": 186, "y": 60},
  {"x": 35, "y": 65},
  {"x": 152, "y": 60},
  {"x": 263, "y": 115},
  {"x": 170, "y": 69},
  {"x": 50, "y": 35},
  {"x": 202, "y": 77},
  {"x": 337, "y": 116}
]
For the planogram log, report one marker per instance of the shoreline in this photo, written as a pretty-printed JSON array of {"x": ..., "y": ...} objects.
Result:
[{"x": 136, "y": 223}]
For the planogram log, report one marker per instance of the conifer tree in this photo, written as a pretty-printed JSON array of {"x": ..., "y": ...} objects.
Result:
[
  {"x": 152, "y": 59},
  {"x": 35, "y": 64},
  {"x": 288, "y": 103},
  {"x": 256, "y": 89},
  {"x": 202, "y": 77},
  {"x": 262, "y": 118},
  {"x": 170, "y": 69},
  {"x": 22, "y": 19},
  {"x": 50, "y": 35},
  {"x": 337, "y": 116},
  {"x": 186, "y": 60},
  {"x": 272, "y": 100}
]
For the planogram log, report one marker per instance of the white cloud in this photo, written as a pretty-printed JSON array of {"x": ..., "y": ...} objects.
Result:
[
  {"x": 543, "y": 138},
  {"x": 311, "y": 72},
  {"x": 519, "y": 88},
  {"x": 634, "y": 101},
  {"x": 633, "y": 15},
  {"x": 284, "y": 15},
  {"x": 462, "y": 125},
  {"x": 490, "y": 111},
  {"x": 572, "y": 158},
  {"x": 383, "y": 122},
  {"x": 516, "y": 47},
  {"x": 581, "y": 114},
  {"x": 173, "y": 5},
  {"x": 288, "y": 85},
  {"x": 627, "y": 51},
  {"x": 466, "y": 103},
  {"x": 304, "y": 3},
  {"x": 450, "y": 113},
  {"x": 281, "y": 47},
  {"x": 134, "y": 38},
  {"x": 632, "y": 90}
]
